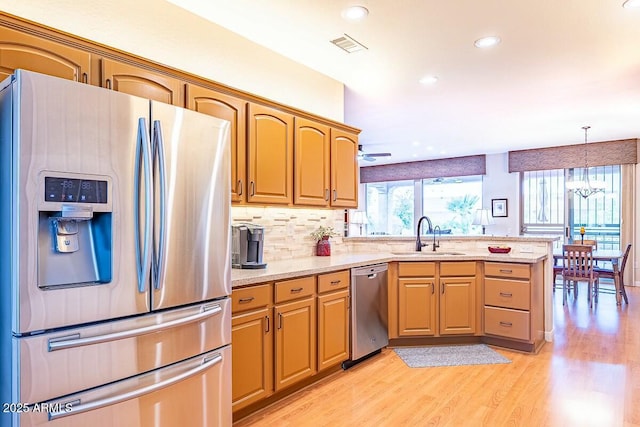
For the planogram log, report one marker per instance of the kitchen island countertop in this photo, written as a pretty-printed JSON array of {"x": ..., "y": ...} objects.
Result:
[{"x": 290, "y": 268}]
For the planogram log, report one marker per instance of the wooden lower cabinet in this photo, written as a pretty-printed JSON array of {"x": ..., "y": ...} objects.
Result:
[
  {"x": 513, "y": 304},
  {"x": 252, "y": 345},
  {"x": 295, "y": 350},
  {"x": 458, "y": 305},
  {"x": 418, "y": 306},
  {"x": 333, "y": 319},
  {"x": 437, "y": 299}
]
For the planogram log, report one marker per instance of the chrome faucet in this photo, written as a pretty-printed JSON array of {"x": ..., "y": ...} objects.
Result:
[
  {"x": 436, "y": 245},
  {"x": 419, "y": 243}
]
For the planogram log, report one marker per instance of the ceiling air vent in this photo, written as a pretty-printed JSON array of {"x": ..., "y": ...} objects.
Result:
[{"x": 348, "y": 44}]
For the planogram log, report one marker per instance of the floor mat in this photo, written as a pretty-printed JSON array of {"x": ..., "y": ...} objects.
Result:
[{"x": 454, "y": 355}]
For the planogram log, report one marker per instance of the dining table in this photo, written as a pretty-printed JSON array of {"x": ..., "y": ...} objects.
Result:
[{"x": 611, "y": 255}]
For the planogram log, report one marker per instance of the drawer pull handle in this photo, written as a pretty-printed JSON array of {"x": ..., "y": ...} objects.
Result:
[
  {"x": 279, "y": 320},
  {"x": 507, "y": 324},
  {"x": 244, "y": 300},
  {"x": 433, "y": 288},
  {"x": 335, "y": 282},
  {"x": 506, "y": 271},
  {"x": 268, "y": 324},
  {"x": 442, "y": 285},
  {"x": 296, "y": 290},
  {"x": 506, "y": 294}
]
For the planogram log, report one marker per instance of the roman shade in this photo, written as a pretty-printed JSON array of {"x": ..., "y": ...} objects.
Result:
[
  {"x": 440, "y": 168},
  {"x": 619, "y": 152}
]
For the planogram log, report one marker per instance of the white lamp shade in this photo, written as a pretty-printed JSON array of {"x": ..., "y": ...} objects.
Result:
[{"x": 483, "y": 217}]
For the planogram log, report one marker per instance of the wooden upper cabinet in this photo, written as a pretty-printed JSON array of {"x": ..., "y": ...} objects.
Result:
[
  {"x": 133, "y": 80},
  {"x": 344, "y": 169},
  {"x": 229, "y": 108},
  {"x": 19, "y": 50},
  {"x": 269, "y": 155},
  {"x": 311, "y": 166}
]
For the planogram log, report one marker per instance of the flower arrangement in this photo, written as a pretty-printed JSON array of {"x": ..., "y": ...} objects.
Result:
[{"x": 322, "y": 232}]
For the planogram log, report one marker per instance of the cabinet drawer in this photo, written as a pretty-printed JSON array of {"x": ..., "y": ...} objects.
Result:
[
  {"x": 507, "y": 323},
  {"x": 294, "y": 289},
  {"x": 505, "y": 269},
  {"x": 333, "y": 281},
  {"x": 507, "y": 293},
  {"x": 249, "y": 298},
  {"x": 467, "y": 268},
  {"x": 416, "y": 269}
]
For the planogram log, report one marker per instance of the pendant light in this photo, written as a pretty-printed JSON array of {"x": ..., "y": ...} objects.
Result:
[{"x": 585, "y": 187}]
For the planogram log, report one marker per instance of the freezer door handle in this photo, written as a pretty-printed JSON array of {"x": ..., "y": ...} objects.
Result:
[
  {"x": 143, "y": 167},
  {"x": 158, "y": 159},
  {"x": 71, "y": 341},
  {"x": 207, "y": 362}
]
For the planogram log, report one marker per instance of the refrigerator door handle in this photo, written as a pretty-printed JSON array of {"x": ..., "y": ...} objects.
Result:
[
  {"x": 70, "y": 341},
  {"x": 143, "y": 167},
  {"x": 158, "y": 159},
  {"x": 207, "y": 362}
]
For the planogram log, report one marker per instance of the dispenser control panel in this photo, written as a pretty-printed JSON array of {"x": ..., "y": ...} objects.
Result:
[{"x": 74, "y": 190}]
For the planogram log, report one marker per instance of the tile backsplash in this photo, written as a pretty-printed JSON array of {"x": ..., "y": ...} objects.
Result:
[{"x": 287, "y": 230}]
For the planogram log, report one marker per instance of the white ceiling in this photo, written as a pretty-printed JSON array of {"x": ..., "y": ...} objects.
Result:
[{"x": 562, "y": 64}]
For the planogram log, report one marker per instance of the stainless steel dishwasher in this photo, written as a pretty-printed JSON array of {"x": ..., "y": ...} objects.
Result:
[{"x": 369, "y": 332}]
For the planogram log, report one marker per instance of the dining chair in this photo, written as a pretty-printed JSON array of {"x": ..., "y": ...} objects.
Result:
[
  {"x": 578, "y": 267},
  {"x": 609, "y": 274},
  {"x": 557, "y": 269}
]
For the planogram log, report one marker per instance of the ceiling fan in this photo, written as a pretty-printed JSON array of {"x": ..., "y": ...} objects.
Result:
[{"x": 370, "y": 157}]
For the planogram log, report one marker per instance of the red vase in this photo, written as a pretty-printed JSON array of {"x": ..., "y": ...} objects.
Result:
[{"x": 323, "y": 247}]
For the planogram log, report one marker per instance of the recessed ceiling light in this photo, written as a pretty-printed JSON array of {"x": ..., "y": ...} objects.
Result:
[
  {"x": 428, "y": 80},
  {"x": 631, "y": 4},
  {"x": 355, "y": 13},
  {"x": 486, "y": 42},
  {"x": 415, "y": 143}
]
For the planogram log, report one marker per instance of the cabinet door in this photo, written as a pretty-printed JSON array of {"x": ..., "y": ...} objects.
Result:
[
  {"x": 137, "y": 81},
  {"x": 417, "y": 299},
  {"x": 19, "y": 50},
  {"x": 269, "y": 156},
  {"x": 311, "y": 166},
  {"x": 333, "y": 329},
  {"x": 295, "y": 353},
  {"x": 252, "y": 357},
  {"x": 226, "y": 107},
  {"x": 457, "y": 305},
  {"x": 344, "y": 169}
]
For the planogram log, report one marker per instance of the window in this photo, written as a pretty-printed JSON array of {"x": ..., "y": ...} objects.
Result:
[
  {"x": 547, "y": 208},
  {"x": 390, "y": 207},
  {"x": 393, "y": 207},
  {"x": 452, "y": 202}
]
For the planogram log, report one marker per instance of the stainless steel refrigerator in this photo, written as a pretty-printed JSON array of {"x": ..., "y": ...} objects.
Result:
[{"x": 114, "y": 259}]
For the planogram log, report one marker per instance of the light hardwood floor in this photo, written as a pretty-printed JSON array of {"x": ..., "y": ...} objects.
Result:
[{"x": 589, "y": 376}]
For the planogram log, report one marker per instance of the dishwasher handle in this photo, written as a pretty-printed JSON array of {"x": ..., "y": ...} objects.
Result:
[{"x": 370, "y": 270}]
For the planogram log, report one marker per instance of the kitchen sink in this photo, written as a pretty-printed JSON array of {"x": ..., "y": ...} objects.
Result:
[{"x": 427, "y": 253}]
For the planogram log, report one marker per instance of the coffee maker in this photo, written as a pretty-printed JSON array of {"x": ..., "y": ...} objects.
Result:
[{"x": 247, "y": 246}]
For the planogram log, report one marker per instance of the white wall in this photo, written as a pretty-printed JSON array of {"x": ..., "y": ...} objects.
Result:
[
  {"x": 498, "y": 183},
  {"x": 167, "y": 34}
]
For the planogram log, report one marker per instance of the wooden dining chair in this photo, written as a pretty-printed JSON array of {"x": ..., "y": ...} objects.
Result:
[
  {"x": 578, "y": 267},
  {"x": 557, "y": 269},
  {"x": 609, "y": 274}
]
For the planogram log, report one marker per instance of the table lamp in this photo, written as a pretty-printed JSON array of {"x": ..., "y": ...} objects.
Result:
[
  {"x": 359, "y": 218},
  {"x": 483, "y": 218}
]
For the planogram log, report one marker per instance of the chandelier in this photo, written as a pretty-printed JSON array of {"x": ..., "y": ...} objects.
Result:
[{"x": 585, "y": 187}]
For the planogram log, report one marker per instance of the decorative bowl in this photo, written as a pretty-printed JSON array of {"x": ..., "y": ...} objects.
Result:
[{"x": 499, "y": 249}]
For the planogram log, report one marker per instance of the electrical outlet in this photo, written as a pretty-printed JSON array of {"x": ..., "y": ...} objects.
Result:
[{"x": 526, "y": 248}]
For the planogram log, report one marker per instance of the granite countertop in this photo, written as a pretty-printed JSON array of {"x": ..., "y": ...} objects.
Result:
[{"x": 304, "y": 266}]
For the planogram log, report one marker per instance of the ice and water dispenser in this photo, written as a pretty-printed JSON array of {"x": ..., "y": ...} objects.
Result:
[{"x": 74, "y": 231}]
